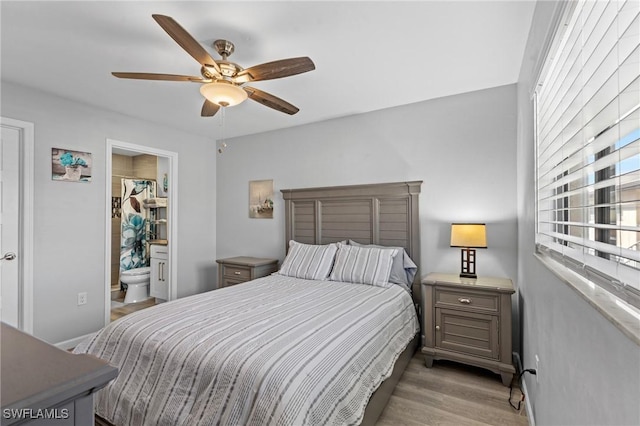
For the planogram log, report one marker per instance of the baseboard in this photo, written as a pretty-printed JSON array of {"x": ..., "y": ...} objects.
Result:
[
  {"x": 72, "y": 343},
  {"x": 527, "y": 401},
  {"x": 527, "y": 405}
]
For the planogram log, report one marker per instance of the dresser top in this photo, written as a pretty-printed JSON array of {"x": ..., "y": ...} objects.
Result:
[
  {"x": 36, "y": 374},
  {"x": 247, "y": 261},
  {"x": 455, "y": 280}
]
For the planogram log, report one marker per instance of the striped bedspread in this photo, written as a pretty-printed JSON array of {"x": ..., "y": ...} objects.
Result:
[{"x": 273, "y": 351}]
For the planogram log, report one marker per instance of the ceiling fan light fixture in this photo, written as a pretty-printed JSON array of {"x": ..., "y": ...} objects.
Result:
[
  {"x": 222, "y": 80},
  {"x": 223, "y": 93}
]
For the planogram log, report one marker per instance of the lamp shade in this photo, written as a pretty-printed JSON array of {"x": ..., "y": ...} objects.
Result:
[
  {"x": 223, "y": 93},
  {"x": 471, "y": 235}
]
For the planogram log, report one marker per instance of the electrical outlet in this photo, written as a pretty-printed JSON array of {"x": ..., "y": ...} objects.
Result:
[
  {"x": 537, "y": 368},
  {"x": 82, "y": 298}
]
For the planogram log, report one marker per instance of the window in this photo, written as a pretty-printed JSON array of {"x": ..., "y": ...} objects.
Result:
[{"x": 588, "y": 145}]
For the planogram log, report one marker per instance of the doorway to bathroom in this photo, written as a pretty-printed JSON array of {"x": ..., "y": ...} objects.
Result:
[{"x": 155, "y": 172}]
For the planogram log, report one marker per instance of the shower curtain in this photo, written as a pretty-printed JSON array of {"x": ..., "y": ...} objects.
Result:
[{"x": 133, "y": 243}]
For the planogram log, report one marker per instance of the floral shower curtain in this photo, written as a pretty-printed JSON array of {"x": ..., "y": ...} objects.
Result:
[{"x": 133, "y": 243}]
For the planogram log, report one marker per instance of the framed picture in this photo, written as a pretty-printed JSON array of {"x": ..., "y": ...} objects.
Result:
[
  {"x": 70, "y": 166},
  {"x": 261, "y": 199}
]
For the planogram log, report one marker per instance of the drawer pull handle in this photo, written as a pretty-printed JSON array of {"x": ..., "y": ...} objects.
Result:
[
  {"x": 437, "y": 328},
  {"x": 464, "y": 300},
  {"x": 236, "y": 273}
]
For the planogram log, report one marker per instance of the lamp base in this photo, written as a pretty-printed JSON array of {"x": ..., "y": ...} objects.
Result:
[
  {"x": 468, "y": 263},
  {"x": 465, "y": 275}
]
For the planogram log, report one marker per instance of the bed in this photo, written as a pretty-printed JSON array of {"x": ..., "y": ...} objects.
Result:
[{"x": 323, "y": 341}]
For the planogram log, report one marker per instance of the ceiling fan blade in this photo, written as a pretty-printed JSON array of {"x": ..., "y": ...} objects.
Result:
[
  {"x": 153, "y": 76},
  {"x": 209, "y": 109},
  {"x": 275, "y": 69},
  {"x": 187, "y": 42},
  {"x": 271, "y": 101}
]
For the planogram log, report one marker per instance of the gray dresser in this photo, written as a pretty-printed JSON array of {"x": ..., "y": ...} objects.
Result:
[
  {"x": 45, "y": 385},
  {"x": 469, "y": 321}
]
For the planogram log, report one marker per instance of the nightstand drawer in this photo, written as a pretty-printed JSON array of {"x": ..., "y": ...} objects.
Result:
[
  {"x": 469, "y": 300},
  {"x": 237, "y": 272},
  {"x": 226, "y": 282}
]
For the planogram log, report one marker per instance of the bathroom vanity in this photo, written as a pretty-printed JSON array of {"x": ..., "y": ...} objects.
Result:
[{"x": 159, "y": 284}]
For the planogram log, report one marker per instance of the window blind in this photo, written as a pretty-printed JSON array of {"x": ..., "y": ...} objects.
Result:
[{"x": 588, "y": 146}]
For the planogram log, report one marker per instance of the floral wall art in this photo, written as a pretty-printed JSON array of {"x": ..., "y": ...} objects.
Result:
[
  {"x": 261, "y": 199},
  {"x": 70, "y": 166}
]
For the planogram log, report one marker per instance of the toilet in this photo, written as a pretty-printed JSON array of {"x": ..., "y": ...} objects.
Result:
[{"x": 137, "y": 281}]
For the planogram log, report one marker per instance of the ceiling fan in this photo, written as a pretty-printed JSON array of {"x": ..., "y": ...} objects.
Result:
[{"x": 223, "y": 82}]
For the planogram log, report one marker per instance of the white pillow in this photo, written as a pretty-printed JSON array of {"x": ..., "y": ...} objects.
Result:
[
  {"x": 363, "y": 265},
  {"x": 307, "y": 261}
]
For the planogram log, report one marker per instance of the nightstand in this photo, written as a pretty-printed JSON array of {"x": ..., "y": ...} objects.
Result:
[
  {"x": 468, "y": 320},
  {"x": 236, "y": 270}
]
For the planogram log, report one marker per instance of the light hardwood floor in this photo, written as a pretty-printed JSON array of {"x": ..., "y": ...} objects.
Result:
[
  {"x": 120, "y": 311},
  {"x": 450, "y": 394},
  {"x": 446, "y": 394}
]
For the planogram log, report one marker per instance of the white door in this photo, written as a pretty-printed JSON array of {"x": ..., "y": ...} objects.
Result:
[{"x": 10, "y": 292}]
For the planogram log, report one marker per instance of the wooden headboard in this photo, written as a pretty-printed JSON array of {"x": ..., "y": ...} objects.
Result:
[{"x": 384, "y": 214}]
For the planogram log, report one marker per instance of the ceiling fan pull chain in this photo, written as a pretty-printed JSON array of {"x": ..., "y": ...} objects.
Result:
[{"x": 223, "y": 144}]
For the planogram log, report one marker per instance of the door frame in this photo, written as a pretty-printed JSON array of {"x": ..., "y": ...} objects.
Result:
[
  {"x": 25, "y": 251},
  {"x": 172, "y": 216}
]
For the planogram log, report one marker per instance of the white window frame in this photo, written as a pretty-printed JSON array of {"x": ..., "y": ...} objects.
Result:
[{"x": 617, "y": 285}]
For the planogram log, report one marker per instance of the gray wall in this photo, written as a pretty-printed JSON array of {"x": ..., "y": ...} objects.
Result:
[
  {"x": 462, "y": 147},
  {"x": 70, "y": 218},
  {"x": 589, "y": 370}
]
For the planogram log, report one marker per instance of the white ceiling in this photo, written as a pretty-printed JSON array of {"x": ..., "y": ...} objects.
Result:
[{"x": 368, "y": 55}]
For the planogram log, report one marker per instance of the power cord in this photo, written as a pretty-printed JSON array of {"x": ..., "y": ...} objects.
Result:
[{"x": 528, "y": 370}]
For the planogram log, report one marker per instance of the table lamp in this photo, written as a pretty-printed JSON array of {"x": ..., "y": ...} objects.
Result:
[{"x": 468, "y": 236}]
